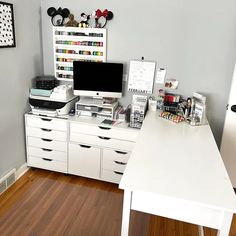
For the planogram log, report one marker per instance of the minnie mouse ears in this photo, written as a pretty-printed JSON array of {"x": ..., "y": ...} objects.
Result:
[
  {"x": 107, "y": 14},
  {"x": 103, "y": 16}
]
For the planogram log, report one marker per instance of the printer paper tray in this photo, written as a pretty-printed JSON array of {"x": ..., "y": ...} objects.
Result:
[{"x": 45, "y": 112}]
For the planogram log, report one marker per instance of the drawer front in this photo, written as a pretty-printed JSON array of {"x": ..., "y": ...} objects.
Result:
[
  {"x": 47, "y": 123},
  {"x": 84, "y": 160},
  {"x": 111, "y": 176},
  {"x": 113, "y": 132},
  {"x": 47, "y": 164},
  {"x": 116, "y": 155},
  {"x": 47, "y": 153},
  {"x": 114, "y": 165},
  {"x": 46, "y": 133},
  {"x": 47, "y": 143},
  {"x": 101, "y": 141}
]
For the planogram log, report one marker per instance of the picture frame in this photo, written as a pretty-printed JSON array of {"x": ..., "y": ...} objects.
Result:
[{"x": 7, "y": 30}]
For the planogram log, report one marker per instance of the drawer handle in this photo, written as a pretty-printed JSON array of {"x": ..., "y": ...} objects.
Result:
[
  {"x": 101, "y": 127},
  {"x": 46, "y": 159},
  {"x": 45, "y": 119},
  {"x": 123, "y": 153},
  {"x": 47, "y": 130},
  {"x": 47, "y": 150},
  {"x": 118, "y": 173},
  {"x": 84, "y": 146},
  {"x": 47, "y": 140},
  {"x": 104, "y": 138},
  {"x": 120, "y": 163}
]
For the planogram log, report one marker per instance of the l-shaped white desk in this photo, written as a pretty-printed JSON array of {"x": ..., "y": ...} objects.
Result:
[{"x": 176, "y": 171}]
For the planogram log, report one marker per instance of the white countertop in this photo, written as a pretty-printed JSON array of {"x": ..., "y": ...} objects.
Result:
[{"x": 179, "y": 161}]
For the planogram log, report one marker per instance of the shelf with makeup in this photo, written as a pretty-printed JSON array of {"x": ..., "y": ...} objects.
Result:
[
  {"x": 75, "y": 44},
  {"x": 176, "y": 108}
]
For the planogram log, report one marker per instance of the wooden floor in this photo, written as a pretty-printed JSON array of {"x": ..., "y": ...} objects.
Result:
[{"x": 49, "y": 203}]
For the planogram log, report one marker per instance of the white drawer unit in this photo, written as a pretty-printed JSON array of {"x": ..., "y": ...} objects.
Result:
[
  {"x": 46, "y": 122},
  {"x": 111, "y": 176},
  {"x": 47, "y": 133},
  {"x": 102, "y": 141},
  {"x": 99, "y": 130},
  {"x": 116, "y": 155},
  {"x": 81, "y": 147},
  {"x": 84, "y": 160},
  {"x": 113, "y": 164},
  {"x": 46, "y": 142},
  {"x": 108, "y": 146},
  {"x": 47, "y": 153},
  {"x": 48, "y": 164}
]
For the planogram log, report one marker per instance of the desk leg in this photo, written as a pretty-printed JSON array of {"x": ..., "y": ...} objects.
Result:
[
  {"x": 200, "y": 231},
  {"x": 226, "y": 224},
  {"x": 126, "y": 213}
]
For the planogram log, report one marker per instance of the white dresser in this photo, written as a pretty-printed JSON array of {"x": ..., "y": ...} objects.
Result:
[
  {"x": 79, "y": 145},
  {"x": 99, "y": 151},
  {"x": 46, "y": 142}
]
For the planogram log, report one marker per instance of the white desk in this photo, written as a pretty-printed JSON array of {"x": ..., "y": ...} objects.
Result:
[{"x": 176, "y": 171}]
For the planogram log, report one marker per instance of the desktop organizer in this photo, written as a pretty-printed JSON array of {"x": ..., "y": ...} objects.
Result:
[
  {"x": 72, "y": 43},
  {"x": 88, "y": 107}
]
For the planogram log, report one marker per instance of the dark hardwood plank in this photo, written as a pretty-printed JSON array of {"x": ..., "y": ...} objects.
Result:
[{"x": 50, "y": 203}]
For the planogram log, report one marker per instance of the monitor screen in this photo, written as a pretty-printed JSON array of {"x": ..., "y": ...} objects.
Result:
[{"x": 100, "y": 79}]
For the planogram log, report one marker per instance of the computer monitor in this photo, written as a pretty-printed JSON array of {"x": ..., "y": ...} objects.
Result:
[{"x": 97, "y": 79}]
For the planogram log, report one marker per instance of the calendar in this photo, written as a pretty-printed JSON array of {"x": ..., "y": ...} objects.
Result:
[{"x": 141, "y": 76}]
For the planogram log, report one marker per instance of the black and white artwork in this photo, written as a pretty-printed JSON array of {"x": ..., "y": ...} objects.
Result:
[{"x": 7, "y": 35}]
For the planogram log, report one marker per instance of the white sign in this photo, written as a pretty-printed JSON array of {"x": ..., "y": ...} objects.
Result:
[
  {"x": 141, "y": 75},
  {"x": 160, "y": 75}
]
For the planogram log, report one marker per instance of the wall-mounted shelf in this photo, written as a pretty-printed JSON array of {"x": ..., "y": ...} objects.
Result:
[{"x": 74, "y": 44}]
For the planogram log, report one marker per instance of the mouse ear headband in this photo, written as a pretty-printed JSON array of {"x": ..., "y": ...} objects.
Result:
[
  {"x": 52, "y": 11},
  {"x": 54, "y": 14},
  {"x": 103, "y": 16}
]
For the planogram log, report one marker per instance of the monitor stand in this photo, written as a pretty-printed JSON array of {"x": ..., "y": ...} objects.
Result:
[
  {"x": 97, "y": 100},
  {"x": 92, "y": 100}
]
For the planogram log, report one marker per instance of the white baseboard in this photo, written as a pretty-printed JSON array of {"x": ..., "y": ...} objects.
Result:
[{"x": 22, "y": 170}]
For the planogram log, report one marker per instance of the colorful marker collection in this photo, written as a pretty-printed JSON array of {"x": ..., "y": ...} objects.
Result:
[
  {"x": 96, "y": 53},
  {"x": 66, "y": 68},
  {"x": 62, "y": 59},
  {"x": 81, "y": 52},
  {"x": 78, "y": 34},
  {"x": 169, "y": 116},
  {"x": 65, "y": 76},
  {"x": 69, "y": 44},
  {"x": 81, "y": 43},
  {"x": 66, "y": 51}
]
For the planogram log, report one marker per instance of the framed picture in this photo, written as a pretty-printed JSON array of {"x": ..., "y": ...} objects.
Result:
[{"x": 7, "y": 32}]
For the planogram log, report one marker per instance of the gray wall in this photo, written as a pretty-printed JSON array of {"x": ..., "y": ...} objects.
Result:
[
  {"x": 17, "y": 67},
  {"x": 193, "y": 40}
]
